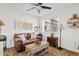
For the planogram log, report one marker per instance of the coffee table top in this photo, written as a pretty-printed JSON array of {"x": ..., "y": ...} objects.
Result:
[{"x": 33, "y": 45}]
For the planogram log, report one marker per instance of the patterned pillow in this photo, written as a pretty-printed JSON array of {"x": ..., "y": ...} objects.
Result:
[{"x": 22, "y": 37}]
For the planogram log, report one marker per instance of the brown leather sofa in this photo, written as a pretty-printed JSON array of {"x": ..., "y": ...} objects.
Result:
[{"x": 19, "y": 45}]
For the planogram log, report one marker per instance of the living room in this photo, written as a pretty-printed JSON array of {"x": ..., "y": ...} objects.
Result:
[{"x": 18, "y": 18}]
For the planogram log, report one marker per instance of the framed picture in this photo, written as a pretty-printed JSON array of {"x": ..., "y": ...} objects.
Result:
[{"x": 19, "y": 25}]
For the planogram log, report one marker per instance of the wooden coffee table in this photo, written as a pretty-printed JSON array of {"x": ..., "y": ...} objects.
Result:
[{"x": 33, "y": 48}]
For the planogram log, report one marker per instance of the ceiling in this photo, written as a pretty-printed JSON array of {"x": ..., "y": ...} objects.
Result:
[{"x": 22, "y": 8}]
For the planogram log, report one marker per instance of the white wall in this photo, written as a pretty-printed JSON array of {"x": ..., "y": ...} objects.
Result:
[
  {"x": 9, "y": 15},
  {"x": 70, "y": 37}
]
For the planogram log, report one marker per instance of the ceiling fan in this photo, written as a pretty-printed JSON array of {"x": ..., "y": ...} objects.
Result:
[{"x": 37, "y": 6}]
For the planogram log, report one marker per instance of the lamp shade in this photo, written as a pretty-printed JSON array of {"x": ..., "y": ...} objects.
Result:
[{"x": 1, "y": 23}]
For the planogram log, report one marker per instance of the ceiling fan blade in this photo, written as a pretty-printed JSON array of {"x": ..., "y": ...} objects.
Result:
[
  {"x": 36, "y": 4},
  {"x": 40, "y": 3},
  {"x": 30, "y": 8},
  {"x": 45, "y": 7}
]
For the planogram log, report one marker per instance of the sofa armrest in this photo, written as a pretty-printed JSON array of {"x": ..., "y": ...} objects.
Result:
[{"x": 19, "y": 46}]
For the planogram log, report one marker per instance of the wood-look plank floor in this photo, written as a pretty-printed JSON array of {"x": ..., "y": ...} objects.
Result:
[{"x": 51, "y": 52}]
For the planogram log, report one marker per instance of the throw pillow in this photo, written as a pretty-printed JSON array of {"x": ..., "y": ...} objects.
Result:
[{"x": 22, "y": 37}]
